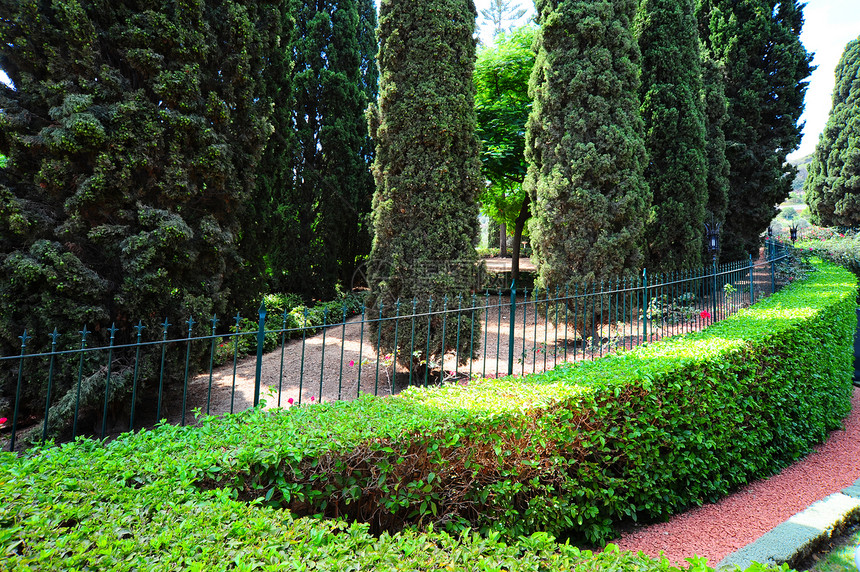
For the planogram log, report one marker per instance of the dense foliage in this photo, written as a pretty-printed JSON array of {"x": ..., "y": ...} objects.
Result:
[
  {"x": 322, "y": 209},
  {"x": 833, "y": 185},
  {"x": 670, "y": 425},
  {"x": 502, "y": 105},
  {"x": 766, "y": 66},
  {"x": 428, "y": 173},
  {"x": 673, "y": 112},
  {"x": 584, "y": 144},
  {"x": 132, "y": 135}
]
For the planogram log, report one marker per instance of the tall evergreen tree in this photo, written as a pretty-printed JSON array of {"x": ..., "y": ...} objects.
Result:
[
  {"x": 716, "y": 115},
  {"x": 428, "y": 172},
  {"x": 133, "y": 136},
  {"x": 758, "y": 42},
  {"x": 321, "y": 220},
  {"x": 833, "y": 185},
  {"x": 501, "y": 12},
  {"x": 673, "y": 112},
  {"x": 584, "y": 144}
]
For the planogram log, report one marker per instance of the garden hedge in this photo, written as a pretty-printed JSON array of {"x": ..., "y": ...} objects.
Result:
[{"x": 639, "y": 435}]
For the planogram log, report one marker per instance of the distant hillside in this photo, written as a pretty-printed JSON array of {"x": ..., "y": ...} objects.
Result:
[{"x": 802, "y": 165}]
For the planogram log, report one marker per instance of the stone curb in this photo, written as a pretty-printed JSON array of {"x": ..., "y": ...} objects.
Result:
[{"x": 799, "y": 536}]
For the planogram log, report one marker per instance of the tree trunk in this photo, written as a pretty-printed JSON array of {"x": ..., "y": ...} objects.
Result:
[{"x": 519, "y": 224}]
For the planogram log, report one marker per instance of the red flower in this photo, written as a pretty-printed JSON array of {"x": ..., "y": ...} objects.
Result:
[
  {"x": 351, "y": 363},
  {"x": 290, "y": 400},
  {"x": 3, "y": 420},
  {"x": 704, "y": 314}
]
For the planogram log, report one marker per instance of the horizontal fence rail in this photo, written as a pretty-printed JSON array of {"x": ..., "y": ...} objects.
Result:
[{"x": 521, "y": 331}]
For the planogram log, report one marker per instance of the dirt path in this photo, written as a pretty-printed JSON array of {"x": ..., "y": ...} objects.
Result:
[{"x": 341, "y": 363}]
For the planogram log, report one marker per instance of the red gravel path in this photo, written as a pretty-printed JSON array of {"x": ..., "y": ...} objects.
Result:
[{"x": 716, "y": 530}]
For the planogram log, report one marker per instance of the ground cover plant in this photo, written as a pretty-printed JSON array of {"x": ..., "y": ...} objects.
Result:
[{"x": 575, "y": 450}]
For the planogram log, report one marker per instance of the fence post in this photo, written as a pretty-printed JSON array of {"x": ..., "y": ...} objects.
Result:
[
  {"x": 23, "y": 339},
  {"x": 261, "y": 338},
  {"x": 112, "y": 331},
  {"x": 644, "y": 305},
  {"x": 752, "y": 284},
  {"x": 714, "y": 294},
  {"x": 54, "y": 337},
  {"x": 512, "y": 329},
  {"x": 190, "y": 323},
  {"x": 772, "y": 267}
]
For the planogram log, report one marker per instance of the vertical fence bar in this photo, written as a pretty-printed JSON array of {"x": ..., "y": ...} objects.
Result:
[
  {"x": 555, "y": 328},
  {"x": 161, "y": 374},
  {"x": 427, "y": 356},
  {"x": 486, "y": 331},
  {"x": 512, "y": 328},
  {"x": 498, "y": 332},
  {"x": 190, "y": 323},
  {"x": 54, "y": 336},
  {"x": 534, "y": 335},
  {"x": 342, "y": 346},
  {"x": 23, "y": 339},
  {"x": 566, "y": 308},
  {"x": 360, "y": 350},
  {"x": 322, "y": 355},
  {"x": 444, "y": 327},
  {"x": 752, "y": 281},
  {"x": 412, "y": 340},
  {"x": 714, "y": 305},
  {"x": 214, "y": 321},
  {"x": 378, "y": 349},
  {"x": 283, "y": 343},
  {"x": 83, "y": 333},
  {"x": 112, "y": 331},
  {"x": 261, "y": 340},
  {"x": 644, "y": 305},
  {"x": 772, "y": 270},
  {"x": 472, "y": 334},
  {"x": 575, "y": 321},
  {"x": 238, "y": 319},
  {"x": 525, "y": 315},
  {"x": 459, "y": 329},
  {"x": 139, "y": 327},
  {"x": 396, "y": 328},
  {"x": 304, "y": 340}
]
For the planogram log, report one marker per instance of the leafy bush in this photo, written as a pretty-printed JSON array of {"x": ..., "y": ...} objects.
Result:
[
  {"x": 83, "y": 507},
  {"x": 639, "y": 435}
]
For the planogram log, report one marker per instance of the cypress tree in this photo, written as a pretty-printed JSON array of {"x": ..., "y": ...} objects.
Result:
[
  {"x": 133, "y": 135},
  {"x": 673, "y": 112},
  {"x": 833, "y": 185},
  {"x": 322, "y": 216},
  {"x": 758, "y": 42},
  {"x": 584, "y": 144},
  {"x": 428, "y": 173}
]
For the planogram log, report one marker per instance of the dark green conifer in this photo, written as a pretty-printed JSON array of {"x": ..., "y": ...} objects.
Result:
[
  {"x": 833, "y": 185},
  {"x": 428, "y": 173},
  {"x": 673, "y": 112},
  {"x": 321, "y": 222},
  {"x": 766, "y": 66},
  {"x": 584, "y": 144},
  {"x": 133, "y": 135}
]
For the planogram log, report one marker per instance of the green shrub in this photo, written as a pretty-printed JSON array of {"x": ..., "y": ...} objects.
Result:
[{"x": 639, "y": 435}]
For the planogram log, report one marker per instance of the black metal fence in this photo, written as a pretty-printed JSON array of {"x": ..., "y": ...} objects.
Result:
[{"x": 522, "y": 331}]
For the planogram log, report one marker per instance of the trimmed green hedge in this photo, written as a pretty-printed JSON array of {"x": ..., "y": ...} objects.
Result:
[{"x": 639, "y": 435}]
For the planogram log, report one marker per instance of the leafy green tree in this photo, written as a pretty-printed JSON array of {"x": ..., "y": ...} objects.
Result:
[
  {"x": 766, "y": 66},
  {"x": 584, "y": 144},
  {"x": 673, "y": 112},
  {"x": 716, "y": 115},
  {"x": 833, "y": 184},
  {"x": 321, "y": 217},
  {"x": 428, "y": 173},
  {"x": 132, "y": 134},
  {"x": 502, "y": 104}
]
